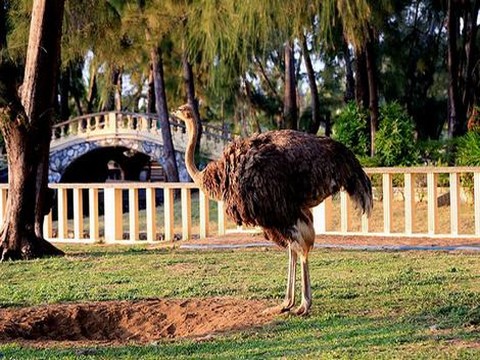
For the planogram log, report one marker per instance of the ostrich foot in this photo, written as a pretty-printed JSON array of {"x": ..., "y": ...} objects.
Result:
[
  {"x": 279, "y": 309},
  {"x": 303, "y": 309}
]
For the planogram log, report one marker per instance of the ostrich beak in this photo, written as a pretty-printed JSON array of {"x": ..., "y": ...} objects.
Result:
[{"x": 177, "y": 113}]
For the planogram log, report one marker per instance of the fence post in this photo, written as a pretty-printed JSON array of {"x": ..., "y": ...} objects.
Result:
[
  {"x": 204, "y": 215},
  {"x": 168, "y": 213},
  {"x": 454, "y": 203},
  {"x": 93, "y": 213},
  {"x": 409, "y": 202},
  {"x": 186, "y": 214},
  {"x": 151, "y": 214},
  {"x": 133, "y": 214},
  {"x": 113, "y": 214},
  {"x": 387, "y": 202},
  {"x": 345, "y": 212},
  {"x": 77, "y": 213},
  {"x": 222, "y": 223},
  {"x": 3, "y": 203},
  {"x": 62, "y": 214},
  {"x": 432, "y": 203},
  {"x": 476, "y": 199},
  {"x": 48, "y": 226}
]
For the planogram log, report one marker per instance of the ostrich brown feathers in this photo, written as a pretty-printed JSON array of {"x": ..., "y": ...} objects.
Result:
[{"x": 270, "y": 179}]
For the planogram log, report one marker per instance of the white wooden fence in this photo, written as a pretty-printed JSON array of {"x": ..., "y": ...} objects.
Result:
[{"x": 420, "y": 201}]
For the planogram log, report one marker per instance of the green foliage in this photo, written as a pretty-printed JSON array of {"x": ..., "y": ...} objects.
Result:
[
  {"x": 436, "y": 152},
  {"x": 468, "y": 151},
  {"x": 369, "y": 161},
  {"x": 468, "y": 154},
  {"x": 350, "y": 128},
  {"x": 395, "y": 138}
]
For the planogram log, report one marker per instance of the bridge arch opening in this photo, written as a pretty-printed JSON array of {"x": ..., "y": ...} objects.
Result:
[{"x": 116, "y": 163}]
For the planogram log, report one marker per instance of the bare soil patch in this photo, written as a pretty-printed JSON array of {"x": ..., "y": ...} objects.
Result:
[{"x": 129, "y": 321}]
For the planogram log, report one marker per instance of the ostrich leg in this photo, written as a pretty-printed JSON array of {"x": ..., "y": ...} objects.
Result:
[
  {"x": 290, "y": 295},
  {"x": 306, "y": 287},
  {"x": 306, "y": 239}
]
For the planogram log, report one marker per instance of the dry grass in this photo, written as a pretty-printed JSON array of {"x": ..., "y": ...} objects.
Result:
[{"x": 420, "y": 223}]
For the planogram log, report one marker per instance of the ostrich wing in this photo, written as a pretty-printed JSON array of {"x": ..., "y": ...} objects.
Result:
[
  {"x": 268, "y": 178},
  {"x": 271, "y": 177}
]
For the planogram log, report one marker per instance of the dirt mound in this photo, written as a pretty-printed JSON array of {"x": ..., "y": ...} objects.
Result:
[{"x": 130, "y": 321}]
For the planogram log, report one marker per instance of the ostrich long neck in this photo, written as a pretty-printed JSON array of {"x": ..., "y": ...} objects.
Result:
[{"x": 192, "y": 169}]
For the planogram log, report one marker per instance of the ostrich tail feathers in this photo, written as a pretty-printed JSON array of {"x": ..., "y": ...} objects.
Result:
[{"x": 359, "y": 188}]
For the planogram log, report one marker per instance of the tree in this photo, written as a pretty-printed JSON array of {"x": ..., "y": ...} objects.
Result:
[
  {"x": 26, "y": 115},
  {"x": 413, "y": 48},
  {"x": 312, "y": 83},
  {"x": 462, "y": 57},
  {"x": 290, "y": 109},
  {"x": 170, "y": 164},
  {"x": 359, "y": 20}
]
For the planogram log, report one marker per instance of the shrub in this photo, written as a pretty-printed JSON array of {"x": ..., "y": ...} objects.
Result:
[
  {"x": 468, "y": 150},
  {"x": 350, "y": 128},
  {"x": 395, "y": 138},
  {"x": 468, "y": 154},
  {"x": 437, "y": 152}
]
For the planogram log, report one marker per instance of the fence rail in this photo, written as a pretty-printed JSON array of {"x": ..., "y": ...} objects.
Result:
[
  {"x": 414, "y": 201},
  {"x": 428, "y": 202}
]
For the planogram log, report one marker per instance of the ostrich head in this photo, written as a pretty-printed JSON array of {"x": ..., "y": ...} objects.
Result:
[{"x": 185, "y": 114}]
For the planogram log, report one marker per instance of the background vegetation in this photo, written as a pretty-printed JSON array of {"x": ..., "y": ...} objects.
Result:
[{"x": 266, "y": 65}]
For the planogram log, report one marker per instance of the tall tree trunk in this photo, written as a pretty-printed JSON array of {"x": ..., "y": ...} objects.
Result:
[
  {"x": 290, "y": 109},
  {"x": 349, "y": 77},
  {"x": 118, "y": 90},
  {"x": 312, "y": 83},
  {"x": 170, "y": 163},
  {"x": 113, "y": 101},
  {"x": 76, "y": 83},
  {"x": 78, "y": 102},
  {"x": 189, "y": 82},
  {"x": 372, "y": 89},
  {"x": 92, "y": 91},
  {"x": 470, "y": 31},
  {"x": 362, "y": 90},
  {"x": 361, "y": 79},
  {"x": 454, "y": 104},
  {"x": 26, "y": 127},
  {"x": 151, "y": 107},
  {"x": 64, "y": 94},
  {"x": 4, "y": 4}
]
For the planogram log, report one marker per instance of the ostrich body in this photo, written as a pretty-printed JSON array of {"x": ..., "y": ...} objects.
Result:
[{"x": 272, "y": 180}]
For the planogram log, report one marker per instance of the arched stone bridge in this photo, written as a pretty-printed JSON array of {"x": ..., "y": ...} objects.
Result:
[{"x": 138, "y": 132}]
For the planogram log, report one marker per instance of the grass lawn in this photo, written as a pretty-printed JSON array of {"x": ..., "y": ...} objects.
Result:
[{"x": 367, "y": 305}]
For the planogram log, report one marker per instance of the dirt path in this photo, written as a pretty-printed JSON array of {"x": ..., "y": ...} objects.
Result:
[{"x": 248, "y": 240}]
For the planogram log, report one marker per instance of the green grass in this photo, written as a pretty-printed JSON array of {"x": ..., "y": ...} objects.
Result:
[{"x": 367, "y": 305}]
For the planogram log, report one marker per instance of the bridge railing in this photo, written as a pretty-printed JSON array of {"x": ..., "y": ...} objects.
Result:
[
  {"x": 135, "y": 124},
  {"x": 425, "y": 202}
]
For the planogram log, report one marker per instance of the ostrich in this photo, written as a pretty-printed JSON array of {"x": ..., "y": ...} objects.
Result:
[{"x": 272, "y": 180}]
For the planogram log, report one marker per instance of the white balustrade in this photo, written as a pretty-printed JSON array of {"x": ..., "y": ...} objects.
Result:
[
  {"x": 142, "y": 126},
  {"x": 426, "y": 202}
]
